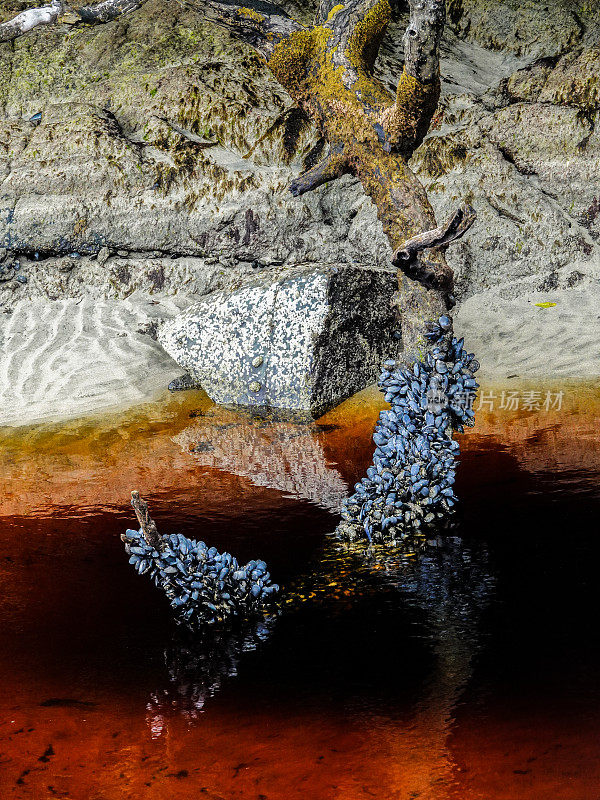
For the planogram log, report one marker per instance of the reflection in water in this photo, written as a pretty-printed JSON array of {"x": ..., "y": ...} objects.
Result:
[
  {"x": 447, "y": 581},
  {"x": 279, "y": 455},
  {"x": 451, "y": 584},
  {"x": 197, "y": 668},
  {"x": 460, "y": 668}
]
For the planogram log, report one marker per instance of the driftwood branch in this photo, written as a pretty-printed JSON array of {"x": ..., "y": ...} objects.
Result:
[
  {"x": 327, "y": 69},
  {"x": 57, "y": 9},
  {"x": 107, "y": 10},
  {"x": 30, "y": 19},
  {"x": 455, "y": 228},
  {"x": 147, "y": 524}
]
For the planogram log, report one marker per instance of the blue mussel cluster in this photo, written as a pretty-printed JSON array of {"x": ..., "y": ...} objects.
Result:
[
  {"x": 411, "y": 481},
  {"x": 204, "y": 586}
]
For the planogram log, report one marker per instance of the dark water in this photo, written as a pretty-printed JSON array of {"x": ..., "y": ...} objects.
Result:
[{"x": 465, "y": 667}]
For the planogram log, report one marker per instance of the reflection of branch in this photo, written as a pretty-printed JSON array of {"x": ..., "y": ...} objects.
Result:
[
  {"x": 197, "y": 668},
  {"x": 450, "y": 582}
]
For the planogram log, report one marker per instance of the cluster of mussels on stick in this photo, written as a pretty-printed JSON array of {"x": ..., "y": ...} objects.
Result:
[
  {"x": 410, "y": 484},
  {"x": 204, "y": 587}
]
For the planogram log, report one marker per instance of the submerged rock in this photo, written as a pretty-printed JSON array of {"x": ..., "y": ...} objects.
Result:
[{"x": 303, "y": 340}]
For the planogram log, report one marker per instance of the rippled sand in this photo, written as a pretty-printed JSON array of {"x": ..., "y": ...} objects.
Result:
[{"x": 68, "y": 359}]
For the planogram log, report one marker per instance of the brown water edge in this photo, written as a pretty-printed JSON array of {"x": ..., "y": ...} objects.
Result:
[{"x": 471, "y": 675}]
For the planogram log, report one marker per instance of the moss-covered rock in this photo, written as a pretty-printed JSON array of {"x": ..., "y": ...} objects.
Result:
[
  {"x": 575, "y": 81},
  {"x": 162, "y": 137}
]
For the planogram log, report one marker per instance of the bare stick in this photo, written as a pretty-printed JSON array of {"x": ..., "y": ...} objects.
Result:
[
  {"x": 29, "y": 19},
  {"x": 147, "y": 524},
  {"x": 456, "y": 227}
]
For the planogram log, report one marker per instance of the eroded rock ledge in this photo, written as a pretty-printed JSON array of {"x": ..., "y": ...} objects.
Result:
[{"x": 159, "y": 135}]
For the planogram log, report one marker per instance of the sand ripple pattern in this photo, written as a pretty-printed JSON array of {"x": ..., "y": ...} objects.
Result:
[
  {"x": 517, "y": 338},
  {"x": 69, "y": 358}
]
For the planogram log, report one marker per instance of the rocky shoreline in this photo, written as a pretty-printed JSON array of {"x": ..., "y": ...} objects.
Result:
[{"x": 156, "y": 172}]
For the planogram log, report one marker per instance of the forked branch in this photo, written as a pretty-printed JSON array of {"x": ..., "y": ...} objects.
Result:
[
  {"x": 406, "y": 257},
  {"x": 455, "y": 228},
  {"x": 328, "y": 71}
]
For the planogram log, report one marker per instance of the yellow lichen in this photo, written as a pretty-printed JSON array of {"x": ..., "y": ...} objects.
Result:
[
  {"x": 250, "y": 13},
  {"x": 290, "y": 60},
  {"x": 407, "y": 122},
  {"x": 365, "y": 40},
  {"x": 334, "y": 11}
]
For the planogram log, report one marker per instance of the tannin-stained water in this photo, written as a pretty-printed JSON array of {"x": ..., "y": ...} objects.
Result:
[{"x": 467, "y": 668}]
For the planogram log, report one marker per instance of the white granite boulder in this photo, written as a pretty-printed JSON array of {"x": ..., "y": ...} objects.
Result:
[{"x": 302, "y": 341}]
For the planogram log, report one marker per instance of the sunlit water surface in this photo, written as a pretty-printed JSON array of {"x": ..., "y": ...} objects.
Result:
[{"x": 466, "y": 668}]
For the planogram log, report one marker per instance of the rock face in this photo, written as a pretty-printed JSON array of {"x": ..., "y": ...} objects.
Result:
[
  {"x": 303, "y": 341},
  {"x": 154, "y": 153},
  {"x": 171, "y": 142}
]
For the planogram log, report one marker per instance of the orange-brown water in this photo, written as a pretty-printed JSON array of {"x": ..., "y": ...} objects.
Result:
[{"x": 467, "y": 670}]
